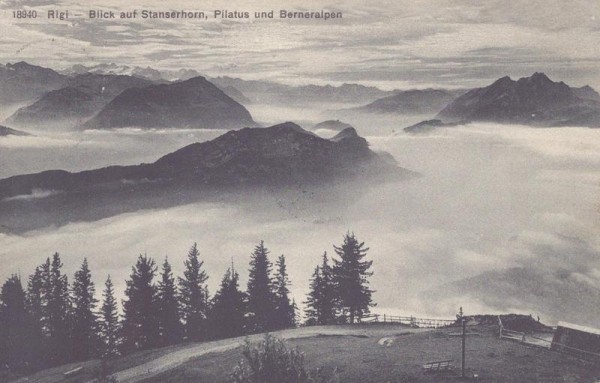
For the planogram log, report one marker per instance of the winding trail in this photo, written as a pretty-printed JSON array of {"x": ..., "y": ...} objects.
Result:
[
  {"x": 179, "y": 355},
  {"x": 177, "y": 358}
]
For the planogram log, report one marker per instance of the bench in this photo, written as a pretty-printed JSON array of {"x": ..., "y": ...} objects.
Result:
[
  {"x": 73, "y": 372},
  {"x": 442, "y": 365}
]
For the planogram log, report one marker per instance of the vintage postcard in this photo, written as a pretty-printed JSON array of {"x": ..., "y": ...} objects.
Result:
[{"x": 299, "y": 191}]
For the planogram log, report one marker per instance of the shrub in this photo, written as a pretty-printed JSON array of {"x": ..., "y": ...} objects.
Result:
[{"x": 270, "y": 361}]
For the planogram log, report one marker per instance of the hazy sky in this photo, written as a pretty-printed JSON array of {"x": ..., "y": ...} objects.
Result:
[{"x": 395, "y": 44}]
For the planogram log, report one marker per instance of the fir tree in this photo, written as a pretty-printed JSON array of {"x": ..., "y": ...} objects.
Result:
[
  {"x": 261, "y": 300},
  {"x": 329, "y": 300},
  {"x": 351, "y": 277},
  {"x": 227, "y": 314},
  {"x": 58, "y": 312},
  {"x": 194, "y": 296},
  {"x": 85, "y": 321},
  {"x": 45, "y": 290},
  {"x": 35, "y": 295},
  {"x": 35, "y": 303},
  {"x": 297, "y": 316},
  {"x": 169, "y": 320},
  {"x": 313, "y": 310},
  {"x": 321, "y": 301},
  {"x": 285, "y": 315},
  {"x": 109, "y": 320},
  {"x": 140, "y": 325},
  {"x": 14, "y": 326}
]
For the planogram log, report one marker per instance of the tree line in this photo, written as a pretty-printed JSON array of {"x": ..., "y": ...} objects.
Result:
[{"x": 51, "y": 322}]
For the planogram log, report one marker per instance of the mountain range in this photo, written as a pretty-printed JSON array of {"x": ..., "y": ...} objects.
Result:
[
  {"x": 265, "y": 92},
  {"x": 82, "y": 97},
  {"x": 66, "y": 101},
  {"x": 279, "y": 157},
  {"x": 112, "y": 96},
  {"x": 25, "y": 82},
  {"x": 535, "y": 100},
  {"x": 147, "y": 73}
]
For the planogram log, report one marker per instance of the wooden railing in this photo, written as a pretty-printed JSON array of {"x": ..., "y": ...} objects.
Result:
[{"x": 409, "y": 321}]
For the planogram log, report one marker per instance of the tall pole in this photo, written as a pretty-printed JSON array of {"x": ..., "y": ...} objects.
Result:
[{"x": 464, "y": 338}]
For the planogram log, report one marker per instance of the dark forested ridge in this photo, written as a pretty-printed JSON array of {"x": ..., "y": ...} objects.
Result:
[{"x": 279, "y": 157}]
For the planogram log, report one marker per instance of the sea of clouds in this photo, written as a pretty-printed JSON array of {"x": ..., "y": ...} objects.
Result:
[{"x": 491, "y": 197}]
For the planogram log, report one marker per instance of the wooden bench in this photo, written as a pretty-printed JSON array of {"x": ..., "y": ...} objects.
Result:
[
  {"x": 73, "y": 372},
  {"x": 442, "y": 365}
]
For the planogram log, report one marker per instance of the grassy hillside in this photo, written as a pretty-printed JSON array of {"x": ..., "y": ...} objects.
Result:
[
  {"x": 361, "y": 353},
  {"x": 364, "y": 359}
]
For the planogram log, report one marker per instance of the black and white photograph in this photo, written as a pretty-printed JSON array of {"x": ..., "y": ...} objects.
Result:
[{"x": 338, "y": 191}]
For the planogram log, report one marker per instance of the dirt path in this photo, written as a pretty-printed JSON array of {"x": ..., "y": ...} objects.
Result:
[{"x": 176, "y": 358}]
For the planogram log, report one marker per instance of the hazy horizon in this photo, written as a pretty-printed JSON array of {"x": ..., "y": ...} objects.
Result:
[{"x": 400, "y": 45}]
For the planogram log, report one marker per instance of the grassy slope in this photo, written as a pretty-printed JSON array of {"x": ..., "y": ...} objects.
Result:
[{"x": 360, "y": 359}]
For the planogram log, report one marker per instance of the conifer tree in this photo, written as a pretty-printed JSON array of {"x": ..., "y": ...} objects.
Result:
[
  {"x": 35, "y": 295},
  {"x": 194, "y": 296},
  {"x": 140, "y": 324},
  {"x": 14, "y": 325},
  {"x": 45, "y": 297},
  {"x": 322, "y": 301},
  {"x": 58, "y": 313},
  {"x": 284, "y": 315},
  {"x": 169, "y": 319},
  {"x": 351, "y": 274},
  {"x": 85, "y": 322},
  {"x": 227, "y": 314},
  {"x": 314, "y": 298},
  {"x": 297, "y": 315},
  {"x": 35, "y": 303},
  {"x": 109, "y": 320},
  {"x": 261, "y": 300},
  {"x": 329, "y": 300}
]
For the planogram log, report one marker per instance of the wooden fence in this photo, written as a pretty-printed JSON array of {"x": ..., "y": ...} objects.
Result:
[
  {"x": 409, "y": 321},
  {"x": 533, "y": 340}
]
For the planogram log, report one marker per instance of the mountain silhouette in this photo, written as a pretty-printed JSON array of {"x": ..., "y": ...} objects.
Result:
[
  {"x": 280, "y": 157},
  {"x": 194, "y": 103},
  {"x": 24, "y": 82},
  {"x": 534, "y": 100},
  {"x": 84, "y": 96}
]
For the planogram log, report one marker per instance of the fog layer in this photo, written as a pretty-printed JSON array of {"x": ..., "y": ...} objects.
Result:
[{"x": 492, "y": 198}]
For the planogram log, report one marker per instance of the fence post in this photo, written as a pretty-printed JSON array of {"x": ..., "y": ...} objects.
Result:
[
  {"x": 464, "y": 338},
  {"x": 384, "y": 318}
]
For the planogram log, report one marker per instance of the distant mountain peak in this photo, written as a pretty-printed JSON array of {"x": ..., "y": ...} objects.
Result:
[
  {"x": 22, "y": 81},
  {"x": 534, "y": 100},
  {"x": 191, "y": 103},
  {"x": 21, "y": 64},
  {"x": 540, "y": 76},
  {"x": 288, "y": 125}
]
